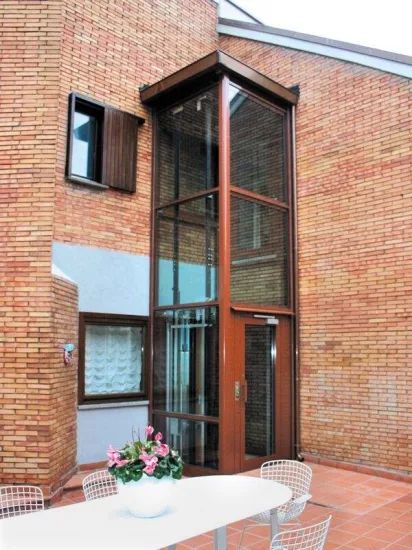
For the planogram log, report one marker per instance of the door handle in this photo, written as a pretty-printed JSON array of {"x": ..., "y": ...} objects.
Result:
[
  {"x": 238, "y": 391},
  {"x": 241, "y": 391}
]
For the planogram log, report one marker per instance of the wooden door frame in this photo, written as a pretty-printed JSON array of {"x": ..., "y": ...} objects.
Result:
[{"x": 283, "y": 372}]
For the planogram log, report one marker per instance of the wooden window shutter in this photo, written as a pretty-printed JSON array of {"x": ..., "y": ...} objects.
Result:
[{"x": 119, "y": 149}]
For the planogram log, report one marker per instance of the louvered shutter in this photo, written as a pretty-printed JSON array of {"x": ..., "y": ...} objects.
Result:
[{"x": 119, "y": 150}]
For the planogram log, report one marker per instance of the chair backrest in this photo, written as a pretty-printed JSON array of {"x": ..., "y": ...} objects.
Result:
[
  {"x": 312, "y": 537},
  {"x": 296, "y": 475},
  {"x": 16, "y": 500},
  {"x": 99, "y": 484}
]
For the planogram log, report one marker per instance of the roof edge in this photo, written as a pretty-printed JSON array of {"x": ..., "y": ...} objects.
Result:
[
  {"x": 213, "y": 63},
  {"x": 251, "y": 30}
]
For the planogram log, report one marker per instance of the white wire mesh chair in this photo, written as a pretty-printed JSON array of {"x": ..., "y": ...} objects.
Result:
[
  {"x": 98, "y": 485},
  {"x": 17, "y": 500},
  {"x": 311, "y": 537},
  {"x": 295, "y": 475}
]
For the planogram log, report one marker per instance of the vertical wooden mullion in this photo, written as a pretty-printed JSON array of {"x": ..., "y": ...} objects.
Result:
[
  {"x": 227, "y": 435},
  {"x": 153, "y": 265}
]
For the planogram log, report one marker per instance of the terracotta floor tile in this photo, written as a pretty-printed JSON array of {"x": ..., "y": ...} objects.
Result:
[
  {"x": 383, "y": 533},
  {"x": 365, "y": 543},
  {"x": 407, "y": 540},
  {"x": 338, "y": 536},
  {"x": 371, "y": 519},
  {"x": 405, "y": 517},
  {"x": 386, "y": 513},
  {"x": 400, "y": 507},
  {"x": 399, "y": 525},
  {"x": 357, "y": 527}
]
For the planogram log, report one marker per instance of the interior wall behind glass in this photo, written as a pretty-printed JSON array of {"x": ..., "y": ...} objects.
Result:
[
  {"x": 186, "y": 361},
  {"x": 187, "y": 148},
  {"x": 257, "y": 147},
  {"x": 259, "y": 253},
  {"x": 187, "y": 252}
]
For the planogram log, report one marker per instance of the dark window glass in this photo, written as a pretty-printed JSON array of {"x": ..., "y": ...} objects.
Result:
[
  {"x": 259, "y": 253},
  {"x": 257, "y": 147},
  {"x": 86, "y": 140},
  {"x": 186, "y": 361},
  {"x": 259, "y": 373},
  {"x": 197, "y": 442},
  {"x": 187, "y": 148},
  {"x": 187, "y": 252}
]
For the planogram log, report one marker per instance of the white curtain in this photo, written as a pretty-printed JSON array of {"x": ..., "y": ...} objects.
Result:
[{"x": 113, "y": 359}]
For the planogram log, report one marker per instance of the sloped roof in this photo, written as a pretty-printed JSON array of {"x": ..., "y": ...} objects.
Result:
[
  {"x": 203, "y": 69},
  {"x": 378, "y": 59}
]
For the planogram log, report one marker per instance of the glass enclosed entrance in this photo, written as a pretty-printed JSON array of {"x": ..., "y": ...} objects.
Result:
[{"x": 222, "y": 284}]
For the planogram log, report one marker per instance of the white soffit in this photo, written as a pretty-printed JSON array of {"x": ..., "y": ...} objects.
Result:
[
  {"x": 229, "y": 10},
  {"x": 289, "y": 39}
]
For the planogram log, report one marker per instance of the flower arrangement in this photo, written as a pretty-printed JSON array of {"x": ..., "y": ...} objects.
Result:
[{"x": 150, "y": 457}]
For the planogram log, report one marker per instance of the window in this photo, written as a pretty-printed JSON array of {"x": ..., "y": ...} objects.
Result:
[
  {"x": 101, "y": 145},
  {"x": 87, "y": 141},
  {"x": 112, "y": 357}
]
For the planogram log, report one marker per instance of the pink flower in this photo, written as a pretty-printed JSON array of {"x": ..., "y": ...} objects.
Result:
[
  {"x": 158, "y": 436},
  {"x": 150, "y": 462},
  {"x": 114, "y": 458},
  {"x": 149, "y": 469},
  {"x": 162, "y": 450},
  {"x": 148, "y": 431}
]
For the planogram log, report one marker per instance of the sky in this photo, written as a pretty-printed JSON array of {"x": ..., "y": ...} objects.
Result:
[{"x": 382, "y": 24}]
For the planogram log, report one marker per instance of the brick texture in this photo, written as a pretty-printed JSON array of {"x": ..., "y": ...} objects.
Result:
[
  {"x": 354, "y": 200},
  {"x": 49, "y": 48},
  {"x": 354, "y": 170},
  {"x": 109, "y": 50},
  {"x": 29, "y": 49}
]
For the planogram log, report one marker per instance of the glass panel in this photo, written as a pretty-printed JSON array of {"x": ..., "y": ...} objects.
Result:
[
  {"x": 257, "y": 147},
  {"x": 186, "y": 361},
  {"x": 259, "y": 253},
  {"x": 84, "y": 145},
  {"x": 187, "y": 148},
  {"x": 114, "y": 359},
  {"x": 197, "y": 442},
  {"x": 259, "y": 373},
  {"x": 187, "y": 252}
]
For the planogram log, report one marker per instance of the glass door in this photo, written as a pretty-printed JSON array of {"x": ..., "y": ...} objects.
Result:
[{"x": 263, "y": 389}]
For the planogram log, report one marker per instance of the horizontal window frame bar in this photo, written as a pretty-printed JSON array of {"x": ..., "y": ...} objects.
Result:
[
  {"x": 199, "y": 195},
  {"x": 257, "y": 197},
  {"x": 192, "y": 305},
  {"x": 187, "y": 416}
]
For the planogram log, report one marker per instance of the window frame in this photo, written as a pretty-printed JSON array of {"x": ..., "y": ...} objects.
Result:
[
  {"x": 110, "y": 319},
  {"x": 96, "y": 108}
]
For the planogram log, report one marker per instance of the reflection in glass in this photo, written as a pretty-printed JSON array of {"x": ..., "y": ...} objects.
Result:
[
  {"x": 197, "y": 442},
  {"x": 259, "y": 373},
  {"x": 187, "y": 252},
  {"x": 257, "y": 147},
  {"x": 84, "y": 145},
  {"x": 259, "y": 253},
  {"x": 186, "y": 363},
  {"x": 187, "y": 148}
]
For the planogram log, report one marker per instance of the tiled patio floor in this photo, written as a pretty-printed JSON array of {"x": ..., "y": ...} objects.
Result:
[{"x": 368, "y": 513}]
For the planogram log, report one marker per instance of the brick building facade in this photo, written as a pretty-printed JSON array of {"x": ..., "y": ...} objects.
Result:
[{"x": 354, "y": 168}]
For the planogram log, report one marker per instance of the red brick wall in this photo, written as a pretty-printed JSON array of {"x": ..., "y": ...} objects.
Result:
[
  {"x": 354, "y": 130},
  {"x": 49, "y": 48},
  {"x": 29, "y": 50},
  {"x": 63, "y": 394},
  {"x": 109, "y": 50}
]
